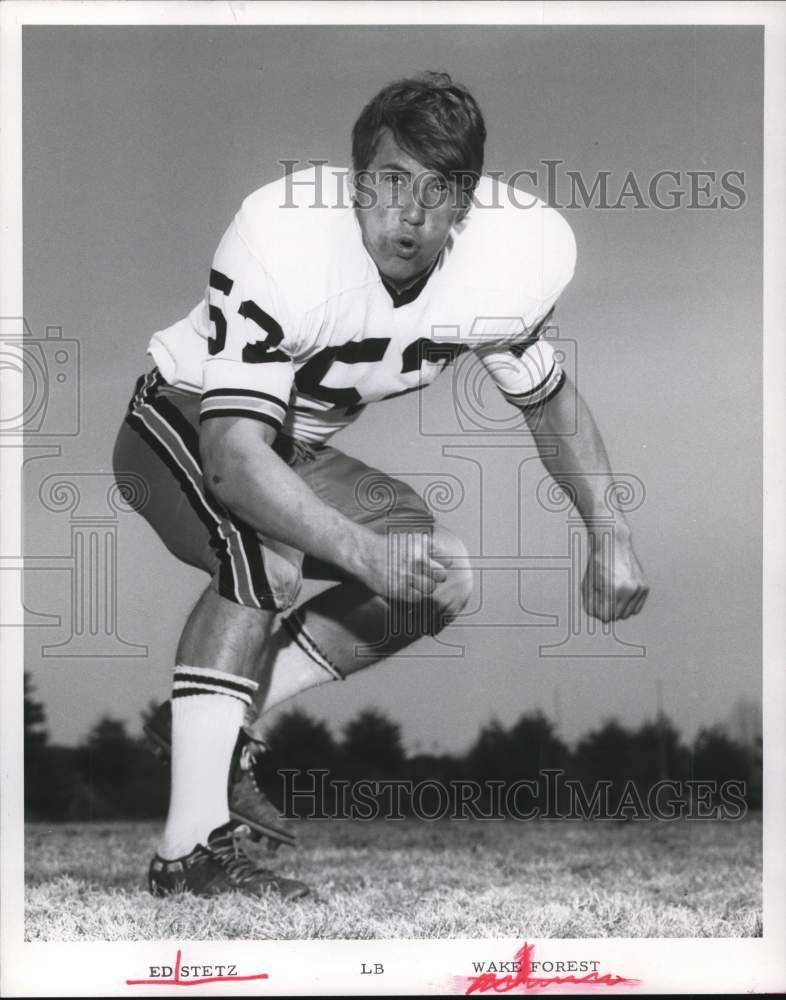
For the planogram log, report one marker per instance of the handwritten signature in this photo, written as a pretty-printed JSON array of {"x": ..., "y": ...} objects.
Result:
[
  {"x": 524, "y": 979},
  {"x": 179, "y": 980}
]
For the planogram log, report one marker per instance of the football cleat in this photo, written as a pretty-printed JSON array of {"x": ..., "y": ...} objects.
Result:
[
  {"x": 248, "y": 803},
  {"x": 217, "y": 867}
]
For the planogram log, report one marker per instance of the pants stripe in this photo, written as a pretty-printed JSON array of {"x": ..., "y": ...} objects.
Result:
[
  {"x": 186, "y": 443},
  {"x": 177, "y": 459},
  {"x": 296, "y": 630},
  {"x": 242, "y": 576}
]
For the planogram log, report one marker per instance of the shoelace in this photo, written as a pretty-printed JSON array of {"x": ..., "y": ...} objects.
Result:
[{"x": 233, "y": 858}]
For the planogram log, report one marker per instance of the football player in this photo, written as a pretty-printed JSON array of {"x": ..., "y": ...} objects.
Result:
[{"x": 331, "y": 290}]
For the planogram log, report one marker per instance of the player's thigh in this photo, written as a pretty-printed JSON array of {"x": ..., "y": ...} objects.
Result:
[
  {"x": 159, "y": 441},
  {"x": 362, "y": 493},
  {"x": 386, "y": 505},
  {"x": 162, "y": 501}
]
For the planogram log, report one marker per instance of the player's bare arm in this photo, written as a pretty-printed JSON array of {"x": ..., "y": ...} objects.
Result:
[
  {"x": 260, "y": 488},
  {"x": 614, "y": 587}
]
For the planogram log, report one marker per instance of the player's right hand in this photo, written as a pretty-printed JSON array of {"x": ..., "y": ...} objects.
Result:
[{"x": 403, "y": 567}]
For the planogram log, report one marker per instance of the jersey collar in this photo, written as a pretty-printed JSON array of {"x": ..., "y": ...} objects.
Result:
[{"x": 410, "y": 293}]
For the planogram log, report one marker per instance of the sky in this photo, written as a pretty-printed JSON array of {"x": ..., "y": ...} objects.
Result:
[{"x": 140, "y": 144}]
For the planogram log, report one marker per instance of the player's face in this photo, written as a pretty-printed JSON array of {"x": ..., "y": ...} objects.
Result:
[{"x": 405, "y": 212}]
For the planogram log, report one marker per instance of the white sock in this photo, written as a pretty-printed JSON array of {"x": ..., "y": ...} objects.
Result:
[
  {"x": 207, "y": 711},
  {"x": 297, "y": 666}
]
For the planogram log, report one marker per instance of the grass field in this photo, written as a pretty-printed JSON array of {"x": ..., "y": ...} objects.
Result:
[{"x": 414, "y": 880}]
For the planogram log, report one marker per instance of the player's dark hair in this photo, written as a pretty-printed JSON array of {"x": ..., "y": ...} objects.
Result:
[{"x": 435, "y": 120}]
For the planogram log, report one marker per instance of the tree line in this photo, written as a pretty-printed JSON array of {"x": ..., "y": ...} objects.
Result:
[{"x": 114, "y": 775}]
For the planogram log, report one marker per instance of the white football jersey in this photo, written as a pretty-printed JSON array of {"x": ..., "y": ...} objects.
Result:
[{"x": 299, "y": 330}]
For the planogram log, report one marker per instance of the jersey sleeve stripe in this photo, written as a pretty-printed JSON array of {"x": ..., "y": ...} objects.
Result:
[
  {"x": 541, "y": 395},
  {"x": 229, "y": 403},
  {"x": 245, "y": 393},
  {"x": 247, "y": 385},
  {"x": 265, "y": 418},
  {"x": 524, "y": 396}
]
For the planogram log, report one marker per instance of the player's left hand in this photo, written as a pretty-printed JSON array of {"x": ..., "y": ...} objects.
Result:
[{"x": 614, "y": 585}]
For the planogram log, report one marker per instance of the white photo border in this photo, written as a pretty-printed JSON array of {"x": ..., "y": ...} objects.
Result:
[{"x": 331, "y": 967}]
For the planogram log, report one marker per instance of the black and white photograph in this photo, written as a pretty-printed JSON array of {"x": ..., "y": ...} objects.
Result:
[{"x": 392, "y": 456}]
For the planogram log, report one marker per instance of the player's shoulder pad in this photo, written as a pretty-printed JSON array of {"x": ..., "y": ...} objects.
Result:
[
  {"x": 517, "y": 241},
  {"x": 297, "y": 207},
  {"x": 559, "y": 248},
  {"x": 296, "y": 227}
]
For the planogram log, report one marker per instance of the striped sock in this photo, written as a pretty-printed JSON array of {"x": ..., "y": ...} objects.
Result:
[{"x": 207, "y": 711}]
